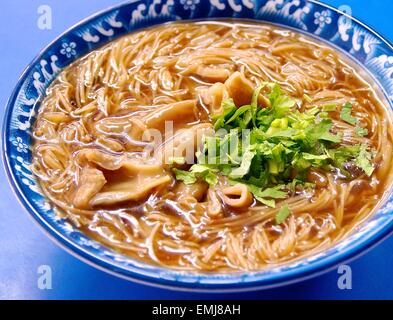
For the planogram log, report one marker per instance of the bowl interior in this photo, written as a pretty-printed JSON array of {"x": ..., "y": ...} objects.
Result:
[{"x": 356, "y": 40}]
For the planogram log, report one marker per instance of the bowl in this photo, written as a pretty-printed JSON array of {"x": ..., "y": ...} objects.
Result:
[{"x": 353, "y": 38}]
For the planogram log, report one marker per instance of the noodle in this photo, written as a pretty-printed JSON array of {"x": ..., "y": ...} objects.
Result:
[{"x": 103, "y": 111}]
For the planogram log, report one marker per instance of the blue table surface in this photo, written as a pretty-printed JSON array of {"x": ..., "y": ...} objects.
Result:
[{"x": 24, "y": 247}]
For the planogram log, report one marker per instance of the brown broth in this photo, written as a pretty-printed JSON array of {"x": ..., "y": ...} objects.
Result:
[{"x": 102, "y": 102}]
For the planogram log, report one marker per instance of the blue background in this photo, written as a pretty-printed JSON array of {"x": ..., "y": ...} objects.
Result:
[{"x": 23, "y": 246}]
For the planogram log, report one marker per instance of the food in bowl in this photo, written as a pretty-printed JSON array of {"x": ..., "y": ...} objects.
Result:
[{"x": 214, "y": 146}]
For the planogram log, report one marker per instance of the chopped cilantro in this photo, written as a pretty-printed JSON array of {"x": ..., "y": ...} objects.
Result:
[
  {"x": 363, "y": 160},
  {"x": 197, "y": 171},
  {"x": 307, "y": 98},
  {"x": 345, "y": 114},
  {"x": 329, "y": 107},
  {"x": 282, "y": 214},
  {"x": 245, "y": 165},
  {"x": 185, "y": 176},
  {"x": 361, "y": 131},
  {"x": 283, "y": 144}
]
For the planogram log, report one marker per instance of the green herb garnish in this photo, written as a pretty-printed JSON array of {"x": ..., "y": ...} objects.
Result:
[
  {"x": 270, "y": 150},
  {"x": 345, "y": 114},
  {"x": 329, "y": 107},
  {"x": 361, "y": 131},
  {"x": 283, "y": 214},
  {"x": 363, "y": 160}
]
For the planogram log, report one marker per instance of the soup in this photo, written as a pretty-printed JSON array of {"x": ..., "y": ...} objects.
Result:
[{"x": 213, "y": 146}]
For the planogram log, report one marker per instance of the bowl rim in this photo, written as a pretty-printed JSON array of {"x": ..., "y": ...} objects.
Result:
[{"x": 264, "y": 280}]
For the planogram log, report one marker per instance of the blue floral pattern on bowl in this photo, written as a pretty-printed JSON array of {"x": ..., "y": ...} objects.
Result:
[{"x": 311, "y": 17}]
